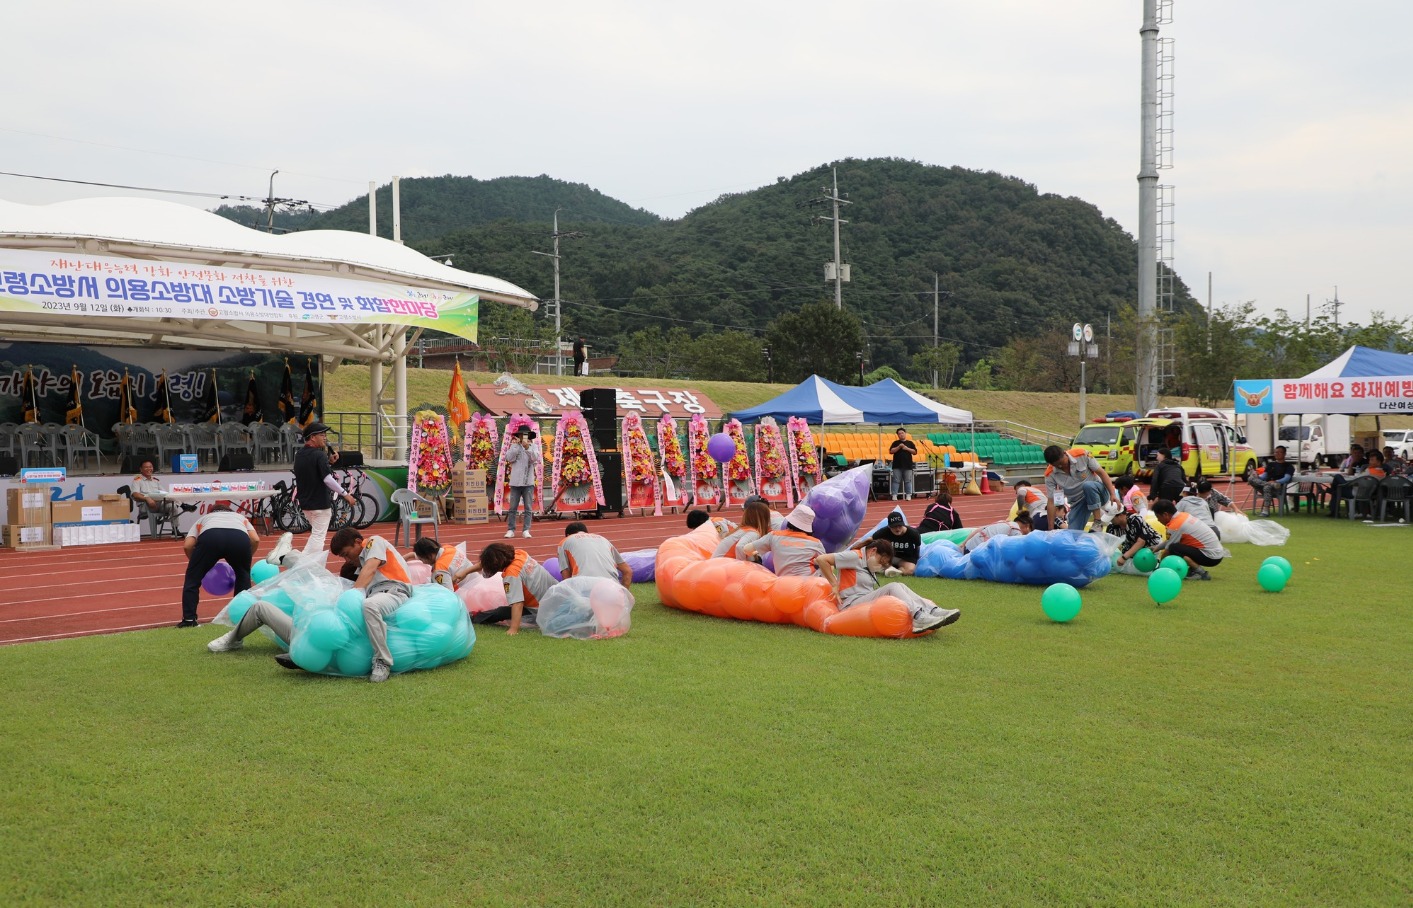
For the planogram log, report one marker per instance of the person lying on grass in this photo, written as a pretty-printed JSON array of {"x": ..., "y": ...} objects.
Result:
[
  {"x": 1021, "y": 526},
  {"x": 853, "y": 575},
  {"x": 1190, "y": 539},
  {"x": 525, "y": 582}
]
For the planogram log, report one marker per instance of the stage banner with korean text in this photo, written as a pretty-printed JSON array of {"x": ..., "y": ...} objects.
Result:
[
  {"x": 69, "y": 285},
  {"x": 505, "y": 398},
  {"x": 1384, "y": 394},
  {"x": 190, "y": 374}
]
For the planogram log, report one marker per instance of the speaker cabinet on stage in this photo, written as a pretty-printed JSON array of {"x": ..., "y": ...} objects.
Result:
[
  {"x": 598, "y": 399},
  {"x": 611, "y": 474},
  {"x": 237, "y": 462}
]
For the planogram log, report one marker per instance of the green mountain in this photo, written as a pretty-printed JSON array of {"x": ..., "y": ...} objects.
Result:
[{"x": 1014, "y": 261}]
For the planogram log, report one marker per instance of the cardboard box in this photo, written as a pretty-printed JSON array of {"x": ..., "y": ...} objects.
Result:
[
  {"x": 90, "y": 511},
  {"x": 96, "y": 533},
  {"x": 15, "y": 536},
  {"x": 464, "y": 480},
  {"x": 28, "y": 505},
  {"x": 184, "y": 463},
  {"x": 472, "y": 508}
]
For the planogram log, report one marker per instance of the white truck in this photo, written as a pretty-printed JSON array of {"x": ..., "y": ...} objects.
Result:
[{"x": 1316, "y": 439}]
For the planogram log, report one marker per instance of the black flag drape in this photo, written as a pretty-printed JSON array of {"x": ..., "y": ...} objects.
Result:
[
  {"x": 73, "y": 413},
  {"x": 309, "y": 400},
  {"x": 288, "y": 409},
  {"x": 252, "y": 413},
  {"x": 29, "y": 399},
  {"x": 212, "y": 410},
  {"x": 127, "y": 413},
  {"x": 163, "y": 412}
]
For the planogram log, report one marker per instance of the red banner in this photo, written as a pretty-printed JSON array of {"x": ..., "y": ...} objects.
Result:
[{"x": 551, "y": 400}]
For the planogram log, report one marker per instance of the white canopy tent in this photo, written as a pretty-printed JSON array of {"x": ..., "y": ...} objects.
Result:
[{"x": 112, "y": 241}]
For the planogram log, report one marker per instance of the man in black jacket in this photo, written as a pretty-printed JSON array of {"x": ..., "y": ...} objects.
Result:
[
  {"x": 316, "y": 485},
  {"x": 1168, "y": 478},
  {"x": 1276, "y": 481}
]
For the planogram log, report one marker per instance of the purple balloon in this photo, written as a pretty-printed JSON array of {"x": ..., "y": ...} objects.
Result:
[
  {"x": 644, "y": 564},
  {"x": 220, "y": 580},
  {"x": 721, "y": 447},
  {"x": 839, "y": 504},
  {"x": 552, "y": 568}
]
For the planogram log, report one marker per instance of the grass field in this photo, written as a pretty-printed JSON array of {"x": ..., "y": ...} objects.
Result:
[{"x": 1233, "y": 748}]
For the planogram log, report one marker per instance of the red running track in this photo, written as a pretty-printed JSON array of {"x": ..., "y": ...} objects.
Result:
[{"x": 135, "y": 586}]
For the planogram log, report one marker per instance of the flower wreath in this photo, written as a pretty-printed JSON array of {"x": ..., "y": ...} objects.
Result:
[
  {"x": 738, "y": 468},
  {"x": 431, "y": 454},
  {"x": 670, "y": 448},
  {"x": 772, "y": 463},
  {"x": 478, "y": 450},
  {"x": 704, "y": 469},
  {"x": 639, "y": 464}
]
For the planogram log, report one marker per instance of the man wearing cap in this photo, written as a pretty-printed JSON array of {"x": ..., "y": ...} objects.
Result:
[
  {"x": 316, "y": 487},
  {"x": 792, "y": 547},
  {"x": 906, "y": 543},
  {"x": 523, "y": 466},
  {"x": 1083, "y": 482},
  {"x": 902, "y": 450},
  {"x": 218, "y": 535}
]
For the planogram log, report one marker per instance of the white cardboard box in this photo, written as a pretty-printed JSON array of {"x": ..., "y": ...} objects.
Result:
[{"x": 99, "y": 534}]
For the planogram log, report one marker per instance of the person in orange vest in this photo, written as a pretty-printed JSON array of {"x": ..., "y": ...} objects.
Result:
[
  {"x": 793, "y": 550},
  {"x": 1190, "y": 539},
  {"x": 382, "y": 575},
  {"x": 1033, "y": 502},
  {"x": 853, "y": 575},
  {"x": 449, "y": 566},
  {"x": 585, "y": 554},
  {"x": 525, "y": 581},
  {"x": 1083, "y": 482}
]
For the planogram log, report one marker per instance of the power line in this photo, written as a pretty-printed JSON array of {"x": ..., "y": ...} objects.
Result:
[{"x": 205, "y": 195}]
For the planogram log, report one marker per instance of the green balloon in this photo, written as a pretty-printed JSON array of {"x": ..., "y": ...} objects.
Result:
[
  {"x": 1145, "y": 560},
  {"x": 237, "y": 607},
  {"x": 261, "y": 571},
  {"x": 1177, "y": 564},
  {"x": 1060, "y": 601},
  {"x": 1164, "y": 584},
  {"x": 1281, "y": 563},
  {"x": 1272, "y": 578}
]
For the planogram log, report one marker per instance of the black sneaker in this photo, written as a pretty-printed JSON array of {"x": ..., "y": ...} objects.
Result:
[
  {"x": 284, "y": 660},
  {"x": 188, "y": 508},
  {"x": 189, "y": 622}
]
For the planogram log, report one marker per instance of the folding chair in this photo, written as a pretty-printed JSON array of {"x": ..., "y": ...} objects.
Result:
[
  {"x": 1396, "y": 491},
  {"x": 408, "y": 502}
]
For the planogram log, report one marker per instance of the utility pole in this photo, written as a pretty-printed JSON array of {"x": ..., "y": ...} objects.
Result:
[
  {"x": 1209, "y": 313},
  {"x": 558, "y": 305},
  {"x": 937, "y": 296},
  {"x": 836, "y": 270},
  {"x": 270, "y": 205},
  {"x": 1334, "y": 304}
]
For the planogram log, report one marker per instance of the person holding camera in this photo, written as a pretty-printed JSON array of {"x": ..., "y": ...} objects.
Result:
[{"x": 523, "y": 466}]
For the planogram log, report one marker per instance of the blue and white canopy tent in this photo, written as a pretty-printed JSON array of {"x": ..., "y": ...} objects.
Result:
[
  {"x": 822, "y": 402},
  {"x": 1360, "y": 380}
]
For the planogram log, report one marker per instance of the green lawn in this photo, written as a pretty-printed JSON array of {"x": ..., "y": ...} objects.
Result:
[{"x": 1234, "y": 748}]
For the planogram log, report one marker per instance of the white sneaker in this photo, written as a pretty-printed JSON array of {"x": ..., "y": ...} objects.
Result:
[
  {"x": 934, "y": 618},
  {"x": 281, "y": 549},
  {"x": 526, "y": 534},
  {"x": 892, "y": 572},
  {"x": 381, "y": 671},
  {"x": 225, "y": 643},
  {"x": 509, "y": 534}
]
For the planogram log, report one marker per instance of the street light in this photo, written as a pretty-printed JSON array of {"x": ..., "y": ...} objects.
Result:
[{"x": 769, "y": 364}]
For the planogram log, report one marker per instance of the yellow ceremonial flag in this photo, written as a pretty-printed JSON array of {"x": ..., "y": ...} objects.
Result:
[{"x": 458, "y": 405}]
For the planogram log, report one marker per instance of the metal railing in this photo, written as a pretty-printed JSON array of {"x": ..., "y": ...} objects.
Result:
[
  {"x": 374, "y": 434},
  {"x": 1027, "y": 434}
]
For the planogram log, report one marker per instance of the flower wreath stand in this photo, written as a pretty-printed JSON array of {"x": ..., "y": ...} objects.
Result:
[
  {"x": 740, "y": 480},
  {"x": 502, "y": 486},
  {"x": 640, "y": 467},
  {"x": 575, "y": 478},
  {"x": 773, "y": 465},
  {"x": 429, "y": 467},
  {"x": 804, "y": 456},
  {"x": 674, "y": 488},
  {"x": 703, "y": 478}
]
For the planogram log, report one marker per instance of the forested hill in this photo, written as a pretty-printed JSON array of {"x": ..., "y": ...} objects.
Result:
[{"x": 1014, "y": 261}]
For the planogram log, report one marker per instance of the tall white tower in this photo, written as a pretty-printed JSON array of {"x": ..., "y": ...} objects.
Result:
[{"x": 1155, "y": 221}]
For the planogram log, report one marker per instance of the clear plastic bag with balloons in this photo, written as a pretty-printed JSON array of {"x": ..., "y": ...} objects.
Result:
[
  {"x": 306, "y": 583},
  {"x": 839, "y": 504},
  {"x": 1040, "y": 559},
  {"x": 429, "y": 629},
  {"x": 586, "y": 608},
  {"x": 1236, "y": 528},
  {"x": 481, "y": 594}
]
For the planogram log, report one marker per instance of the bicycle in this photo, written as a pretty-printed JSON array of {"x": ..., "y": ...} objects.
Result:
[
  {"x": 285, "y": 510},
  {"x": 360, "y": 515}
]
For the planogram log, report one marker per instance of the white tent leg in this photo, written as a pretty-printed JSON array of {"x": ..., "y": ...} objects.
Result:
[{"x": 400, "y": 389}]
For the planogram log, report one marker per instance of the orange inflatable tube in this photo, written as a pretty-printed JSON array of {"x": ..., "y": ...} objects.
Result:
[{"x": 690, "y": 579}]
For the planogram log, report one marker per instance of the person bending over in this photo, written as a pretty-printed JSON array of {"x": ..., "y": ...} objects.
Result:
[
  {"x": 1131, "y": 496},
  {"x": 1021, "y": 526},
  {"x": 1137, "y": 534},
  {"x": 585, "y": 554},
  {"x": 220, "y": 534},
  {"x": 1168, "y": 479},
  {"x": 1189, "y": 538},
  {"x": 1083, "y": 481},
  {"x": 446, "y": 561},
  {"x": 905, "y": 542},
  {"x": 793, "y": 550},
  {"x": 525, "y": 582},
  {"x": 1033, "y": 502},
  {"x": 940, "y": 515},
  {"x": 853, "y": 575},
  {"x": 696, "y": 517}
]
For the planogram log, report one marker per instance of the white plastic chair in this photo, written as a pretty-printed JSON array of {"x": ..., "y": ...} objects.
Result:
[{"x": 409, "y": 502}]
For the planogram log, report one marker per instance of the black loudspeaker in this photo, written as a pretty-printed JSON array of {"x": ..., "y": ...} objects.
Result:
[
  {"x": 349, "y": 459},
  {"x": 237, "y": 462},
  {"x": 605, "y": 436},
  {"x": 611, "y": 475},
  {"x": 132, "y": 463},
  {"x": 9, "y": 466},
  {"x": 598, "y": 399}
]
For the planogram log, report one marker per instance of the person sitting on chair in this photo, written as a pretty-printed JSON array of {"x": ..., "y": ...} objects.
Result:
[
  {"x": 1273, "y": 486},
  {"x": 147, "y": 495},
  {"x": 1372, "y": 465}
]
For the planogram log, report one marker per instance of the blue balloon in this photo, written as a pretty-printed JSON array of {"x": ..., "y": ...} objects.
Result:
[
  {"x": 308, "y": 656},
  {"x": 412, "y": 616},
  {"x": 261, "y": 571},
  {"x": 350, "y": 605},
  {"x": 237, "y": 607},
  {"x": 327, "y": 630},
  {"x": 280, "y": 600},
  {"x": 355, "y": 659}
]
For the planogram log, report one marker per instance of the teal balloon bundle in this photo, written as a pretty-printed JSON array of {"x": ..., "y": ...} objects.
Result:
[
  {"x": 1060, "y": 602},
  {"x": 307, "y": 585},
  {"x": 262, "y": 571},
  {"x": 1278, "y": 561},
  {"x": 1164, "y": 584},
  {"x": 430, "y": 629},
  {"x": 1175, "y": 563}
]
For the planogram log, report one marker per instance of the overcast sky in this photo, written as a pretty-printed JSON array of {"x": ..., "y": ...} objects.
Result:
[{"x": 1294, "y": 120}]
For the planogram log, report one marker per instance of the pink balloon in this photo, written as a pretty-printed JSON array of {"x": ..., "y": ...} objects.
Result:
[
  {"x": 418, "y": 573},
  {"x": 606, "y": 600},
  {"x": 481, "y": 594}
]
